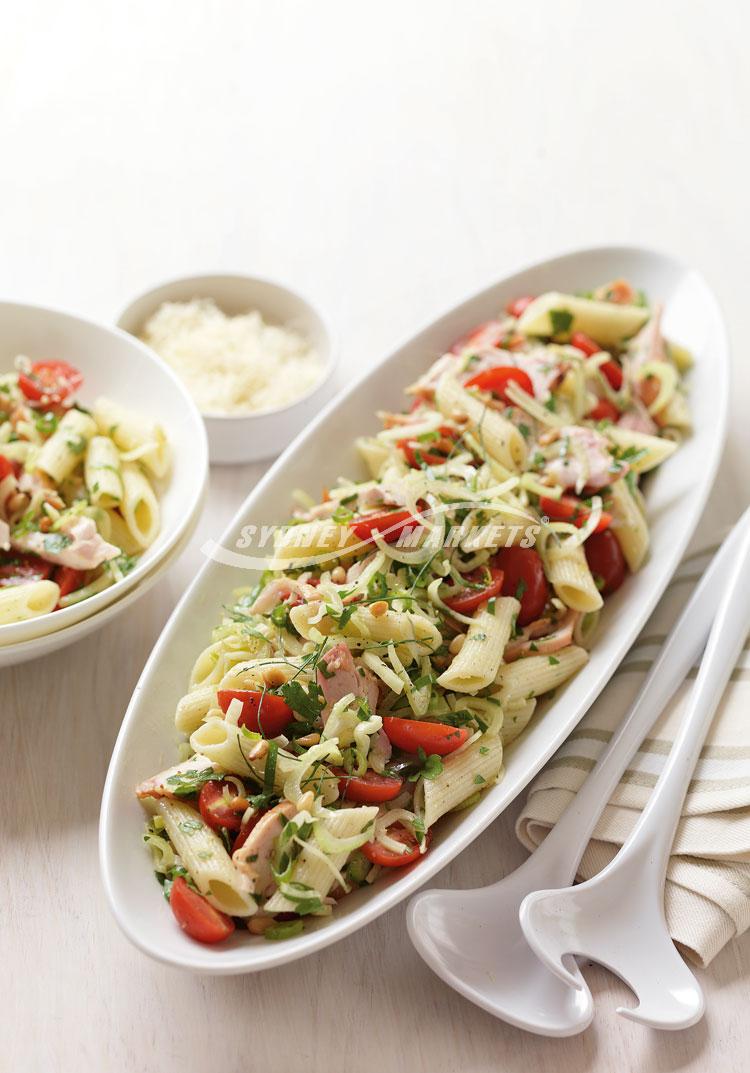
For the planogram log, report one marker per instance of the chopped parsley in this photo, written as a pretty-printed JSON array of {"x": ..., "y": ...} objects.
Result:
[
  {"x": 560, "y": 321},
  {"x": 307, "y": 703},
  {"x": 188, "y": 783},
  {"x": 56, "y": 542}
]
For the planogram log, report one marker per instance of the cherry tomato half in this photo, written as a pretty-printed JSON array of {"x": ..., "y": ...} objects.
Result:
[
  {"x": 606, "y": 561},
  {"x": 8, "y": 467},
  {"x": 610, "y": 369},
  {"x": 69, "y": 579},
  {"x": 603, "y": 411},
  {"x": 368, "y": 789},
  {"x": 380, "y": 854},
  {"x": 433, "y": 454},
  {"x": 196, "y": 916},
  {"x": 496, "y": 381},
  {"x": 570, "y": 509},
  {"x": 263, "y": 713},
  {"x": 212, "y": 802},
  {"x": 613, "y": 373},
  {"x": 390, "y": 525},
  {"x": 524, "y": 579},
  {"x": 416, "y": 456},
  {"x": 52, "y": 381},
  {"x": 411, "y": 735},
  {"x": 20, "y": 568},
  {"x": 485, "y": 336},
  {"x": 584, "y": 342},
  {"x": 470, "y": 599},
  {"x": 518, "y": 305}
]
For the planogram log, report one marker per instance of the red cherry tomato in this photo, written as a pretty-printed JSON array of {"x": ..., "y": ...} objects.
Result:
[
  {"x": 518, "y": 305},
  {"x": 524, "y": 579},
  {"x": 379, "y": 854},
  {"x": 584, "y": 342},
  {"x": 263, "y": 713},
  {"x": 606, "y": 561},
  {"x": 613, "y": 373},
  {"x": 470, "y": 599},
  {"x": 7, "y": 467},
  {"x": 20, "y": 568},
  {"x": 212, "y": 802},
  {"x": 496, "y": 381},
  {"x": 432, "y": 454},
  {"x": 610, "y": 369},
  {"x": 487, "y": 335},
  {"x": 368, "y": 789},
  {"x": 69, "y": 579},
  {"x": 411, "y": 735},
  {"x": 390, "y": 525},
  {"x": 51, "y": 381},
  {"x": 246, "y": 829},
  {"x": 570, "y": 509},
  {"x": 196, "y": 916},
  {"x": 416, "y": 454},
  {"x": 604, "y": 411}
]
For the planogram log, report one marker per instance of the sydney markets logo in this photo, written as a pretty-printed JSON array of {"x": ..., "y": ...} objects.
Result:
[{"x": 417, "y": 537}]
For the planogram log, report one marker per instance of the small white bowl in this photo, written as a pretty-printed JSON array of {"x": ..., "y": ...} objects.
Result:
[
  {"x": 118, "y": 366},
  {"x": 249, "y": 437}
]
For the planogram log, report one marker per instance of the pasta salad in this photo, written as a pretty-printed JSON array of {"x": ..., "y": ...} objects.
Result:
[
  {"x": 410, "y": 622},
  {"x": 77, "y": 502}
]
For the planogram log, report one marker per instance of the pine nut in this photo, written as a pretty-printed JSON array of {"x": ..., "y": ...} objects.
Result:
[
  {"x": 259, "y": 923},
  {"x": 308, "y": 740},
  {"x": 457, "y": 643},
  {"x": 378, "y": 609}
]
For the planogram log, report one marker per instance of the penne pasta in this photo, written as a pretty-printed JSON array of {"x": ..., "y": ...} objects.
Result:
[
  {"x": 204, "y": 856},
  {"x": 497, "y": 436},
  {"x": 570, "y": 575},
  {"x": 66, "y": 447},
  {"x": 134, "y": 434},
  {"x": 478, "y": 661},
  {"x": 140, "y": 508},
  {"x": 18, "y": 603},
  {"x": 102, "y": 472},
  {"x": 628, "y": 525},
  {"x": 535, "y": 675},
  {"x": 464, "y": 773}
]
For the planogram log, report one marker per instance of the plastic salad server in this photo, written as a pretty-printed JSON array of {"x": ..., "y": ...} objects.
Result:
[
  {"x": 617, "y": 917},
  {"x": 473, "y": 940}
]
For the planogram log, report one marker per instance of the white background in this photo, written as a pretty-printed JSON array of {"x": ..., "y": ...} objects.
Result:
[{"x": 387, "y": 159}]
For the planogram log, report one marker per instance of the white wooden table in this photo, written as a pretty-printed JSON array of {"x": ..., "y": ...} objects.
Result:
[{"x": 387, "y": 159}]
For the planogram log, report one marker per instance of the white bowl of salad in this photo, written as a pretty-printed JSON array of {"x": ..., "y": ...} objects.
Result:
[{"x": 103, "y": 464}]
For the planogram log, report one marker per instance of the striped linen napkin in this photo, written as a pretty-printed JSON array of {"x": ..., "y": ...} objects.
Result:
[{"x": 708, "y": 880}]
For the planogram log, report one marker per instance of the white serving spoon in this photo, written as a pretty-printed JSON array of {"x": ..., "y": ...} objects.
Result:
[
  {"x": 617, "y": 918},
  {"x": 473, "y": 940}
]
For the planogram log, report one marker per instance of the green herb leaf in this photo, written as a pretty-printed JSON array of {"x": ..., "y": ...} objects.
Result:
[{"x": 560, "y": 320}]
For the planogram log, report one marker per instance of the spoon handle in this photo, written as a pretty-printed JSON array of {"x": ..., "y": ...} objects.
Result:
[
  {"x": 571, "y": 834},
  {"x": 652, "y": 837}
]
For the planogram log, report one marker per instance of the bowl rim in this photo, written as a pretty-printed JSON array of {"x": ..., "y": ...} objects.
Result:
[
  {"x": 331, "y": 359},
  {"x": 200, "y": 430}
]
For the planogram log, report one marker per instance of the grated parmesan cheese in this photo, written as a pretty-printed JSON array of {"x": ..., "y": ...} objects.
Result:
[{"x": 232, "y": 365}]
